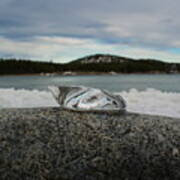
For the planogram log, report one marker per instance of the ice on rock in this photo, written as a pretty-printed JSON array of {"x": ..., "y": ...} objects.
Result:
[
  {"x": 82, "y": 98},
  {"x": 149, "y": 101}
]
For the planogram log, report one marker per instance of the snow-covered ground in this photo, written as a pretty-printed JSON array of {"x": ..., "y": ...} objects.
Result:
[{"x": 150, "y": 101}]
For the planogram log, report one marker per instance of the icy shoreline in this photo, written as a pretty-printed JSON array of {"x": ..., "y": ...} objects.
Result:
[{"x": 150, "y": 101}]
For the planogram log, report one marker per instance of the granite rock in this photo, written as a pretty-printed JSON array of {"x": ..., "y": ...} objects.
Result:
[{"x": 52, "y": 144}]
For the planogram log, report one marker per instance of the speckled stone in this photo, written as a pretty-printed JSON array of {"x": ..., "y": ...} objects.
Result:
[{"x": 49, "y": 144}]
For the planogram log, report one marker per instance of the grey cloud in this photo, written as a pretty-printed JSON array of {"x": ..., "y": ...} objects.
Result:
[{"x": 154, "y": 23}]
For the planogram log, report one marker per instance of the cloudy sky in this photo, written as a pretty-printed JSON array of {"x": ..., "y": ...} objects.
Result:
[{"x": 63, "y": 30}]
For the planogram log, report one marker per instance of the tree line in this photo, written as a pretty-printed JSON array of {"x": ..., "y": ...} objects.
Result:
[{"x": 14, "y": 66}]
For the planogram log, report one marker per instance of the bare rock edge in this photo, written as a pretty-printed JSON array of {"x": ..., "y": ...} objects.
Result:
[{"x": 49, "y": 143}]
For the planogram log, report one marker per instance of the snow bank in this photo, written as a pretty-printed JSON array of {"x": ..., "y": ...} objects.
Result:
[
  {"x": 22, "y": 98},
  {"x": 150, "y": 101}
]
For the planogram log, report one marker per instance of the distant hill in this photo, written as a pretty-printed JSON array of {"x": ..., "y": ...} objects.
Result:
[
  {"x": 101, "y": 63},
  {"x": 107, "y": 58},
  {"x": 108, "y": 63},
  {"x": 102, "y": 58}
]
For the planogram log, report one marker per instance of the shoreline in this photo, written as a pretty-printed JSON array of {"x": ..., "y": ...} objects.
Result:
[
  {"x": 88, "y": 73},
  {"x": 114, "y": 113},
  {"x": 54, "y": 143}
]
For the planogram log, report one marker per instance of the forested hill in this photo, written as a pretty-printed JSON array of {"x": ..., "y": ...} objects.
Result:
[{"x": 94, "y": 63}]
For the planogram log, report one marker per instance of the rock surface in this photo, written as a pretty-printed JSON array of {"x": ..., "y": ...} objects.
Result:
[
  {"x": 52, "y": 144},
  {"x": 82, "y": 98}
]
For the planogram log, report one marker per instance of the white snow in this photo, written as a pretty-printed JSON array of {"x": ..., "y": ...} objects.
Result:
[
  {"x": 11, "y": 98},
  {"x": 150, "y": 101}
]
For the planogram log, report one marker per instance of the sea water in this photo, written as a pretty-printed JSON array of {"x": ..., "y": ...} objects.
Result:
[{"x": 148, "y": 94}]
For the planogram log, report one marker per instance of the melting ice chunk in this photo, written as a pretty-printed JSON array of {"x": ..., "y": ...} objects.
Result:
[{"x": 82, "y": 98}]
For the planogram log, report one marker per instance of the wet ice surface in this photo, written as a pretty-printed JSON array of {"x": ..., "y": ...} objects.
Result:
[{"x": 86, "y": 98}]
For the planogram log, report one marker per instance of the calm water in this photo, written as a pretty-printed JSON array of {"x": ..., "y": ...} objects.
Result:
[{"x": 115, "y": 83}]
